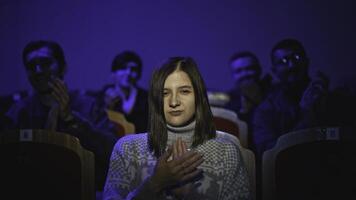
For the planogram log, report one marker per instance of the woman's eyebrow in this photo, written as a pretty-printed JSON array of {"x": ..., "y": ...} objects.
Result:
[{"x": 185, "y": 87}]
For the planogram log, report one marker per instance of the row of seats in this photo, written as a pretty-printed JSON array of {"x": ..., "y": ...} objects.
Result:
[{"x": 315, "y": 163}]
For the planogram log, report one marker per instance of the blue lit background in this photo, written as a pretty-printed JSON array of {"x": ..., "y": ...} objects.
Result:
[{"x": 92, "y": 32}]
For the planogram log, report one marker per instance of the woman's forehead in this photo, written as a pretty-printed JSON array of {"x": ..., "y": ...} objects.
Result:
[{"x": 176, "y": 79}]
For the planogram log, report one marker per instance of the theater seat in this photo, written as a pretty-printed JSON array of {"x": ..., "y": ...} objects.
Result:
[
  {"x": 40, "y": 164},
  {"x": 227, "y": 121},
  {"x": 317, "y": 163}
]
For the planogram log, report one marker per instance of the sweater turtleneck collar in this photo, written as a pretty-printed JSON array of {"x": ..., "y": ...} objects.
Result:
[{"x": 184, "y": 132}]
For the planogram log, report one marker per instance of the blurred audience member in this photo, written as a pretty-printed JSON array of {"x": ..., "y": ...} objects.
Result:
[
  {"x": 297, "y": 102},
  {"x": 249, "y": 88},
  {"x": 53, "y": 107},
  {"x": 123, "y": 97}
]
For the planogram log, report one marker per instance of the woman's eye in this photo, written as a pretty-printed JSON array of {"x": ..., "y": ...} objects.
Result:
[{"x": 185, "y": 91}]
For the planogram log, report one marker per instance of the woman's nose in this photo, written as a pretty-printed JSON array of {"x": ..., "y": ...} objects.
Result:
[{"x": 174, "y": 101}]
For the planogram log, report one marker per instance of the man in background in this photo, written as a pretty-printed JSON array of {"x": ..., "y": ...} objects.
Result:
[{"x": 51, "y": 106}]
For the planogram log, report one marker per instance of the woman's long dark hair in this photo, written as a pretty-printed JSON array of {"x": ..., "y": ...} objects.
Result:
[{"x": 157, "y": 128}]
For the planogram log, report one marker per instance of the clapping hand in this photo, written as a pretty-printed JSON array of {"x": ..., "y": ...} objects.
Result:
[
  {"x": 317, "y": 89},
  {"x": 61, "y": 96},
  {"x": 178, "y": 170},
  {"x": 112, "y": 99},
  {"x": 179, "y": 149}
]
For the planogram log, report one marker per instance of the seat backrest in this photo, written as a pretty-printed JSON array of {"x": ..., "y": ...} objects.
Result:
[
  {"x": 227, "y": 121},
  {"x": 41, "y": 164},
  {"x": 316, "y": 163},
  {"x": 124, "y": 127},
  {"x": 249, "y": 160},
  {"x": 218, "y": 98}
]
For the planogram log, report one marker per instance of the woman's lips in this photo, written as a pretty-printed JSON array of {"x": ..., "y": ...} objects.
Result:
[{"x": 175, "y": 113}]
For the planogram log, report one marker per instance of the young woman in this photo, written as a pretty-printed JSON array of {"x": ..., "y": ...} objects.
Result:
[{"x": 182, "y": 156}]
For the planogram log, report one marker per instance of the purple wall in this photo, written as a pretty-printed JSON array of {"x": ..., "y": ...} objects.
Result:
[{"x": 92, "y": 32}]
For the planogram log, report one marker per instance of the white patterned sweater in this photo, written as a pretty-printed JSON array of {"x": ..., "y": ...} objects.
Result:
[{"x": 224, "y": 174}]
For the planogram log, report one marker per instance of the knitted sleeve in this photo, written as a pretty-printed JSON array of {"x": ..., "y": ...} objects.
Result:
[
  {"x": 122, "y": 181},
  {"x": 235, "y": 184},
  {"x": 118, "y": 179}
]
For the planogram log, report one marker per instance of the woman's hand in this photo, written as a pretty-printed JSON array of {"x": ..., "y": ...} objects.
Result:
[
  {"x": 179, "y": 149},
  {"x": 173, "y": 172}
]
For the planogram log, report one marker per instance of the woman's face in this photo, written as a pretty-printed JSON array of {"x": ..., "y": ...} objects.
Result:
[{"x": 179, "y": 99}]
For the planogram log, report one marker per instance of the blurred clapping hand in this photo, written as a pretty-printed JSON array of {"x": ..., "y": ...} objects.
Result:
[
  {"x": 113, "y": 99},
  {"x": 315, "y": 93}
]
